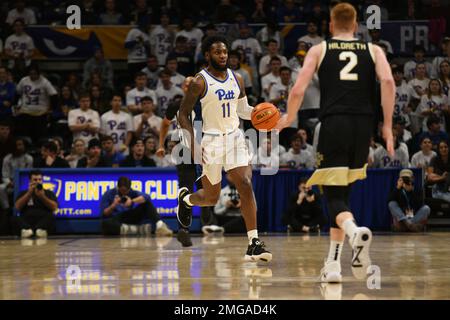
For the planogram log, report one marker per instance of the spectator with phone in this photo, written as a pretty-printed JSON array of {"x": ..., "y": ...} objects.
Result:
[
  {"x": 36, "y": 206},
  {"x": 125, "y": 211},
  {"x": 304, "y": 212},
  {"x": 407, "y": 205}
]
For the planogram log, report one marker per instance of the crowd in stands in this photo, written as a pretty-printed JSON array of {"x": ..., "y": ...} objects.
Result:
[{"x": 94, "y": 118}]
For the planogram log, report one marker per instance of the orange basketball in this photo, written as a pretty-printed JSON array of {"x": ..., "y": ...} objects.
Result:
[{"x": 265, "y": 116}]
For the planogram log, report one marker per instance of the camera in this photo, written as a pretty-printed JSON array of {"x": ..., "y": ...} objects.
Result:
[
  {"x": 39, "y": 186},
  {"x": 234, "y": 196},
  {"x": 123, "y": 199},
  {"x": 310, "y": 193},
  {"x": 407, "y": 180}
]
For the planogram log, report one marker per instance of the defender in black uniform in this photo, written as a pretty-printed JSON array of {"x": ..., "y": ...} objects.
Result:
[{"x": 348, "y": 70}]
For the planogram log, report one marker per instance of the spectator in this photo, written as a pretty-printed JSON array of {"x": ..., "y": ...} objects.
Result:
[
  {"x": 210, "y": 31},
  {"x": 245, "y": 66},
  {"x": 7, "y": 144},
  {"x": 306, "y": 146},
  {"x": 437, "y": 173},
  {"x": 299, "y": 57},
  {"x": 296, "y": 158},
  {"x": 375, "y": 35},
  {"x": 234, "y": 64},
  {"x": 118, "y": 125},
  {"x": 18, "y": 159},
  {"x": 419, "y": 57},
  {"x": 36, "y": 95},
  {"x": 184, "y": 55},
  {"x": 58, "y": 123},
  {"x": 111, "y": 156},
  {"x": 225, "y": 12},
  {"x": 264, "y": 63},
  {"x": 78, "y": 151},
  {"x": 84, "y": 122},
  {"x": 402, "y": 94},
  {"x": 271, "y": 78},
  {"x": 191, "y": 33},
  {"x": 141, "y": 14},
  {"x": 110, "y": 16},
  {"x": 168, "y": 160},
  {"x": 403, "y": 134},
  {"x": 177, "y": 79},
  {"x": 87, "y": 13},
  {"x": 434, "y": 102},
  {"x": 60, "y": 152},
  {"x": 99, "y": 101},
  {"x": 126, "y": 211},
  {"x": 444, "y": 76},
  {"x": 312, "y": 37},
  {"x": 151, "y": 146},
  {"x": 270, "y": 32},
  {"x": 137, "y": 158},
  {"x": 381, "y": 158},
  {"x": 266, "y": 157},
  {"x": 19, "y": 49},
  {"x": 438, "y": 60},
  {"x": 422, "y": 158},
  {"x": 419, "y": 84},
  {"x": 304, "y": 211},
  {"x": 20, "y": 12},
  {"x": 135, "y": 95},
  {"x": 152, "y": 71},
  {"x": 147, "y": 123},
  {"x": 36, "y": 206},
  {"x": 137, "y": 42},
  {"x": 251, "y": 48},
  {"x": 167, "y": 91},
  {"x": 434, "y": 132},
  {"x": 98, "y": 64},
  {"x": 7, "y": 94},
  {"x": 233, "y": 30},
  {"x": 94, "y": 157},
  {"x": 161, "y": 39},
  {"x": 260, "y": 13},
  {"x": 50, "y": 157},
  {"x": 406, "y": 204},
  {"x": 288, "y": 13},
  {"x": 73, "y": 82},
  {"x": 227, "y": 211}
]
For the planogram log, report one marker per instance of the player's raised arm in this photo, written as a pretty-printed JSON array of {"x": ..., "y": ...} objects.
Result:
[
  {"x": 297, "y": 93},
  {"x": 196, "y": 88},
  {"x": 387, "y": 85}
]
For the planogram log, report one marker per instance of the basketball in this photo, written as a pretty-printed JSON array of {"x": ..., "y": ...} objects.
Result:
[{"x": 265, "y": 116}]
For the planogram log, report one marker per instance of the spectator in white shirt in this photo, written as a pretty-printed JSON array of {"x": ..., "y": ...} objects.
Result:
[
  {"x": 167, "y": 91},
  {"x": 162, "y": 37},
  {"x": 134, "y": 96},
  {"x": 177, "y": 79},
  {"x": 234, "y": 64},
  {"x": 20, "y": 12},
  {"x": 438, "y": 60},
  {"x": 273, "y": 51},
  {"x": 147, "y": 123},
  {"x": 110, "y": 16},
  {"x": 84, "y": 122},
  {"x": 312, "y": 38},
  {"x": 434, "y": 102},
  {"x": 138, "y": 44},
  {"x": 375, "y": 36},
  {"x": 152, "y": 71},
  {"x": 272, "y": 78},
  {"x": 19, "y": 48},
  {"x": 194, "y": 35},
  {"x": 265, "y": 156},
  {"x": 296, "y": 158},
  {"x": 381, "y": 158},
  {"x": 419, "y": 57},
  {"x": 422, "y": 158}
]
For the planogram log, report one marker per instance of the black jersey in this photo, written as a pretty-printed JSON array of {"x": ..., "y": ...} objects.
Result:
[{"x": 347, "y": 78}]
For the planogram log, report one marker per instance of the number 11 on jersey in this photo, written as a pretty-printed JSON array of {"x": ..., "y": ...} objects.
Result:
[{"x": 225, "y": 107}]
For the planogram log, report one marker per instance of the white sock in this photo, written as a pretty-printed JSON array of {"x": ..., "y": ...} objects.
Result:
[
  {"x": 186, "y": 200},
  {"x": 159, "y": 224},
  {"x": 349, "y": 227},
  {"x": 335, "y": 251},
  {"x": 251, "y": 235}
]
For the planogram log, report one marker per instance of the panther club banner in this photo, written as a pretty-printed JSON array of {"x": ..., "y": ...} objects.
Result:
[{"x": 79, "y": 191}]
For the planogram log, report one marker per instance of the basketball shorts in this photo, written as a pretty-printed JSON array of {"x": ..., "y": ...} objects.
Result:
[
  {"x": 342, "y": 150},
  {"x": 226, "y": 152}
]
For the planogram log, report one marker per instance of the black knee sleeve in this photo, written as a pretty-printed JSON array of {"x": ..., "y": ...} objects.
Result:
[{"x": 337, "y": 198}]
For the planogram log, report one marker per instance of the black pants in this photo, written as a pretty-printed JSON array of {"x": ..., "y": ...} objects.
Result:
[
  {"x": 232, "y": 224},
  {"x": 111, "y": 226},
  {"x": 34, "y": 127},
  {"x": 297, "y": 222},
  {"x": 187, "y": 175},
  {"x": 35, "y": 219}
]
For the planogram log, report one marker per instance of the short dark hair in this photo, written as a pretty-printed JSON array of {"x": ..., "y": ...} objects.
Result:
[
  {"x": 139, "y": 74},
  {"x": 209, "y": 41},
  {"x": 124, "y": 182},
  {"x": 272, "y": 41},
  {"x": 166, "y": 72},
  {"x": 295, "y": 137},
  {"x": 106, "y": 138},
  {"x": 51, "y": 146},
  {"x": 116, "y": 94},
  {"x": 234, "y": 53},
  {"x": 84, "y": 94},
  {"x": 274, "y": 58},
  {"x": 135, "y": 141},
  {"x": 34, "y": 172},
  {"x": 284, "y": 68},
  {"x": 146, "y": 98},
  {"x": 432, "y": 119}
]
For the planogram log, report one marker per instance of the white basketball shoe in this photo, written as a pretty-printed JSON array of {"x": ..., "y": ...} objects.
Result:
[
  {"x": 331, "y": 272},
  {"x": 360, "y": 243}
]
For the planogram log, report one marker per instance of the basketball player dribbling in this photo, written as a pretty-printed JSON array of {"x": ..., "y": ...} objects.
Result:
[
  {"x": 347, "y": 70},
  {"x": 223, "y": 101}
]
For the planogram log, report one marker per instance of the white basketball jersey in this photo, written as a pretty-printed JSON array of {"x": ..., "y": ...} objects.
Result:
[{"x": 219, "y": 103}]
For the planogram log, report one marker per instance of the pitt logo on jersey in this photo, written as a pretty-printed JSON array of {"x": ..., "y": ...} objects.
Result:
[{"x": 222, "y": 95}]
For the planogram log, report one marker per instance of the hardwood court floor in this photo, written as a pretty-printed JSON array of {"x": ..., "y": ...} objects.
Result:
[{"x": 411, "y": 266}]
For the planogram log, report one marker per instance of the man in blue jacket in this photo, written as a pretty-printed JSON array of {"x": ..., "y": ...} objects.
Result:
[
  {"x": 7, "y": 94},
  {"x": 125, "y": 210}
]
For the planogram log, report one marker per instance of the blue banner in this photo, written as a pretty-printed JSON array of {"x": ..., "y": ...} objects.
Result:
[{"x": 79, "y": 191}]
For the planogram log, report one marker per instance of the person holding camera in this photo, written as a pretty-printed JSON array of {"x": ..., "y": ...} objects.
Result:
[
  {"x": 406, "y": 205},
  {"x": 125, "y": 210},
  {"x": 304, "y": 212},
  {"x": 36, "y": 206}
]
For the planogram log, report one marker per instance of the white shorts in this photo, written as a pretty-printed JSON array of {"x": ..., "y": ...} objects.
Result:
[{"x": 223, "y": 151}]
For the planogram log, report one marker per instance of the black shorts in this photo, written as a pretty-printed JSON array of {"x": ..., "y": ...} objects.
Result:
[{"x": 343, "y": 149}]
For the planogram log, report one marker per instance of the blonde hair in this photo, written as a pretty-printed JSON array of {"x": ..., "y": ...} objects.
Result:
[{"x": 343, "y": 16}]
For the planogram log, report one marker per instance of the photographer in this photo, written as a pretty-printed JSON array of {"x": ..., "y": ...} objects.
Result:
[
  {"x": 304, "y": 212},
  {"x": 124, "y": 210},
  {"x": 36, "y": 207},
  {"x": 406, "y": 205}
]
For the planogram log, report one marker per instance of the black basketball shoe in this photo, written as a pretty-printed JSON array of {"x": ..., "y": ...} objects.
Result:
[
  {"x": 184, "y": 237},
  {"x": 184, "y": 212},
  {"x": 257, "y": 252}
]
